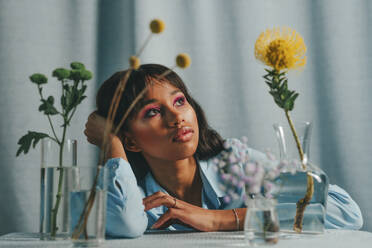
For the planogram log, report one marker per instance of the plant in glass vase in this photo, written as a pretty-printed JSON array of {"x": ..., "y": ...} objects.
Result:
[
  {"x": 283, "y": 49},
  {"x": 253, "y": 182},
  {"x": 73, "y": 87}
]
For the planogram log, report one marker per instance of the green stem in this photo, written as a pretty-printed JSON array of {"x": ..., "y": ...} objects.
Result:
[
  {"x": 302, "y": 203},
  {"x": 60, "y": 182},
  {"x": 297, "y": 140}
]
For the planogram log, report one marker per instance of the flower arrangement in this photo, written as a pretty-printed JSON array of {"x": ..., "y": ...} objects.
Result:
[
  {"x": 73, "y": 85},
  {"x": 284, "y": 49},
  {"x": 259, "y": 179}
]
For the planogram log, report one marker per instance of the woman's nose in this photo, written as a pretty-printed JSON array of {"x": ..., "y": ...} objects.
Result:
[{"x": 175, "y": 118}]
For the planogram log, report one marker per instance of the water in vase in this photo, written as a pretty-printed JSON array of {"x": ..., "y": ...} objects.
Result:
[{"x": 292, "y": 187}]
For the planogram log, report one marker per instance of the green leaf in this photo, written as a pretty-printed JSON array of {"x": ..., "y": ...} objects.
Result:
[
  {"x": 64, "y": 100},
  {"x": 276, "y": 97},
  {"x": 66, "y": 87},
  {"x": 50, "y": 100},
  {"x": 69, "y": 100},
  {"x": 284, "y": 86},
  {"x": 293, "y": 99},
  {"x": 38, "y": 78},
  {"x": 81, "y": 93},
  {"x": 279, "y": 103},
  {"x": 47, "y": 106},
  {"x": 273, "y": 93},
  {"x": 83, "y": 88},
  {"x": 282, "y": 74},
  {"x": 270, "y": 72},
  {"x": 61, "y": 73},
  {"x": 31, "y": 138},
  {"x": 73, "y": 97},
  {"x": 267, "y": 77},
  {"x": 269, "y": 83},
  {"x": 289, "y": 103},
  {"x": 282, "y": 79},
  {"x": 77, "y": 66},
  {"x": 82, "y": 98},
  {"x": 283, "y": 96}
]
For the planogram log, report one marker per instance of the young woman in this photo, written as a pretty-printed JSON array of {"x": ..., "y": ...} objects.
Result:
[{"x": 159, "y": 173}]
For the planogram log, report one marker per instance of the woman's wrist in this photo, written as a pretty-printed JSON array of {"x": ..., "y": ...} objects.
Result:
[
  {"x": 230, "y": 220},
  {"x": 116, "y": 149}
]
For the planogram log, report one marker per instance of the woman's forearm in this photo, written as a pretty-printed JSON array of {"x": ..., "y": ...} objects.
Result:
[
  {"x": 227, "y": 220},
  {"x": 125, "y": 212},
  {"x": 116, "y": 149}
]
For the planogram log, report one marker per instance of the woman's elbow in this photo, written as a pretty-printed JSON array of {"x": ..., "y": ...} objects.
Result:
[
  {"x": 342, "y": 211},
  {"x": 126, "y": 227},
  {"x": 356, "y": 219}
]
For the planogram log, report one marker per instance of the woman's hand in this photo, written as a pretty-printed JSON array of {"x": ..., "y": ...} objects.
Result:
[
  {"x": 95, "y": 130},
  {"x": 187, "y": 214}
]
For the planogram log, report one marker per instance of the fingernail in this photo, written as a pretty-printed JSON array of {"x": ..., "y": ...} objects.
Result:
[{"x": 153, "y": 226}]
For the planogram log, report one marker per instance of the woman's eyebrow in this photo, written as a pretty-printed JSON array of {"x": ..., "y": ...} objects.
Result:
[
  {"x": 148, "y": 101},
  {"x": 174, "y": 92}
]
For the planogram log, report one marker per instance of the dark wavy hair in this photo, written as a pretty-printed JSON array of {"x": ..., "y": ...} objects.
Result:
[{"x": 210, "y": 142}]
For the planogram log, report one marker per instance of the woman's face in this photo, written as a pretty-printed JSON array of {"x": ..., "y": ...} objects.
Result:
[{"x": 166, "y": 127}]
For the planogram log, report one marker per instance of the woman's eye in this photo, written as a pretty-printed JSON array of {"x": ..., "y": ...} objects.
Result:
[
  {"x": 180, "y": 101},
  {"x": 151, "y": 112}
]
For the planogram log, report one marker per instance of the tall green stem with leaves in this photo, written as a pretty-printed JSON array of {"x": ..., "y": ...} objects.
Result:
[
  {"x": 285, "y": 99},
  {"x": 73, "y": 89}
]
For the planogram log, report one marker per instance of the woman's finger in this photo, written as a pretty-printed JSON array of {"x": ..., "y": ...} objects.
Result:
[
  {"x": 167, "y": 224},
  {"x": 166, "y": 218},
  {"x": 165, "y": 200},
  {"x": 153, "y": 196}
]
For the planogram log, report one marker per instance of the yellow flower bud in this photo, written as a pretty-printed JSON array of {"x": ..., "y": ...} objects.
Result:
[
  {"x": 183, "y": 60},
  {"x": 134, "y": 62},
  {"x": 157, "y": 26}
]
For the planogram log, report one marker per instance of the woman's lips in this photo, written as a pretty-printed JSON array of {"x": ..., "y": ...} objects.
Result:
[{"x": 183, "y": 134}]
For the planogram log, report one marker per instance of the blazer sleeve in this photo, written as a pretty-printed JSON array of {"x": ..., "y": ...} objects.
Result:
[
  {"x": 125, "y": 217},
  {"x": 342, "y": 210}
]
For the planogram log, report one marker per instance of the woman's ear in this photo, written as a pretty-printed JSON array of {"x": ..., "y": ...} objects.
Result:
[{"x": 131, "y": 145}]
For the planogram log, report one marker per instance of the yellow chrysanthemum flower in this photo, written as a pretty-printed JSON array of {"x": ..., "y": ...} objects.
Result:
[
  {"x": 157, "y": 26},
  {"x": 134, "y": 62},
  {"x": 281, "y": 48},
  {"x": 183, "y": 60}
]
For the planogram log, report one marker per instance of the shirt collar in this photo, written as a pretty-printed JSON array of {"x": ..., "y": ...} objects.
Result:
[{"x": 209, "y": 178}]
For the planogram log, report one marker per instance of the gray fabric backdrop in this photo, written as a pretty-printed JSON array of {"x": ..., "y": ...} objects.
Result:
[{"x": 219, "y": 35}]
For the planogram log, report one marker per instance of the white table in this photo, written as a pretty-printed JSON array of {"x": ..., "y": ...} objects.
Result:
[{"x": 330, "y": 239}]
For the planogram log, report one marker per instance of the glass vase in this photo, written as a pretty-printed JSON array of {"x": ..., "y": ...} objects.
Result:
[
  {"x": 261, "y": 226},
  {"x": 293, "y": 185},
  {"x": 77, "y": 184},
  {"x": 82, "y": 197},
  {"x": 54, "y": 178},
  {"x": 64, "y": 193}
]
